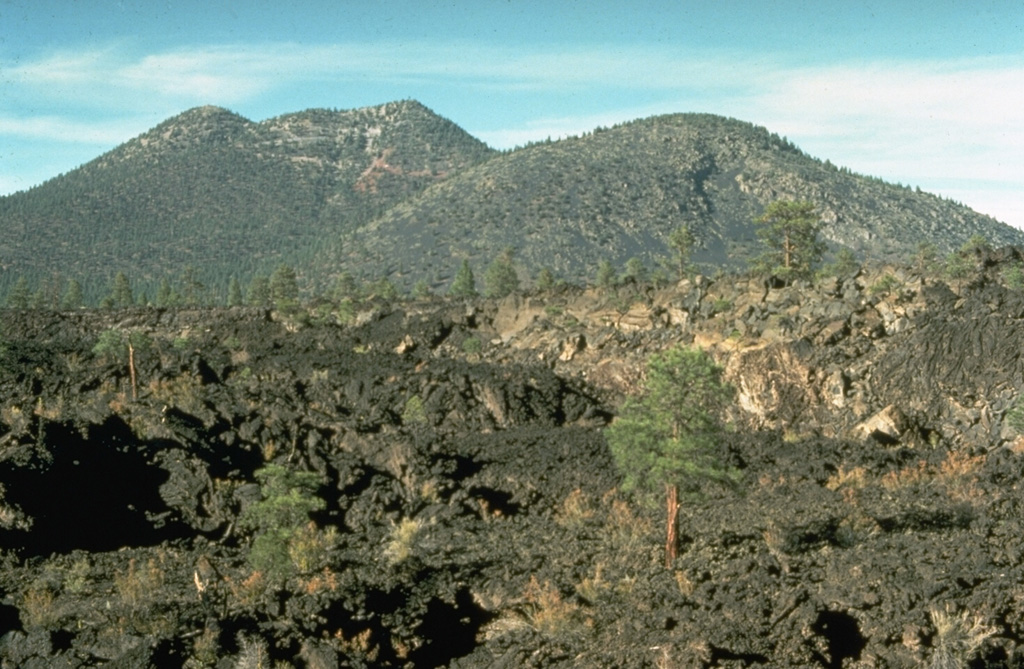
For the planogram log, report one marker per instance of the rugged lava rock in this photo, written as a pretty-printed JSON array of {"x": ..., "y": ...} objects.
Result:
[{"x": 464, "y": 510}]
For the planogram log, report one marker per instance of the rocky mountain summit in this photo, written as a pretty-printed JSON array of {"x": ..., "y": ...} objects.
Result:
[{"x": 427, "y": 484}]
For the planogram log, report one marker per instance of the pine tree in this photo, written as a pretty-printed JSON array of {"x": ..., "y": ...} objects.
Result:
[
  {"x": 164, "y": 294},
  {"x": 421, "y": 289},
  {"x": 121, "y": 292},
  {"x": 501, "y": 278},
  {"x": 636, "y": 271},
  {"x": 667, "y": 437},
  {"x": 73, "y": 297},
  {"x": 958, "y": 267},
  {"x": 284, "y": 287},
  {"x": 384, "y": 289},
  {"x": 234, "y": 293},
  {"x": 192, "y": 289},
  {"x": 464, "y": 284},
  {"x": 605, "y": 275},
  {"x": 789, "y": 231},
  {"x": 682, "y": 242},
  {"x": 545, "y": 280},
  {"x": 38, "y": 299},
  {"x": 345, "y": 287},
  {"x": 258, "y": 294}
]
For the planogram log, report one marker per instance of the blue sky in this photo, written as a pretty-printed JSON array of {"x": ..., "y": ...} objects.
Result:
[{"x": 929, "y": 94}]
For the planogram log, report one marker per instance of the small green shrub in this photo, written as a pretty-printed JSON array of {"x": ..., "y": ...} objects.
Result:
[
  {"x": 472, "y": 345},
  {"x": 281, "y": 517},
  {"x": 978, "y": 243},
  {"x": 886, "y": 285},
  {"x": 845, "y": 264},
  {"x": 1014, "y": 276},
  {"x": 414, "y": 413},
  {"x": 345, "y": 313},
  {"x": 1015, "y": 417}
]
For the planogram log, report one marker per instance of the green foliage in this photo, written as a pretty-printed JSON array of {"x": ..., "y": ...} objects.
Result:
[
  {"x": 789, "y": 232},
  {"x": 414, "y": 413},
  {"x": 605, "y": 275},
  {"x": 472, "y": 345},
  {"x": 926, "y": 257},
  {"x": 235, "y": 293},
  {"x": 845, "y": 264},
  {"x": 288, "y": 497},
  {"x": 464, "y": 284},
  {"x": 885, "y": 285},
  {"x": 113, "y": 344},
  {"x": 165, "y": 295},
  {"x": 383, "y": 289},
  {"x": 109, "y": 344},
  {"x": 1015, "y": 417},
  {"x": 193, "y": 290},
  {"x": 722, "y": 304},
  {"x": 421, "y": 289},
  {"x": 682, "y": 241},
  {"x": 345, "y": 313},
  {"x": 284, "y": 287},
  {"x": 345, "y": 287},
  {"x": 636, "y": 271},
  {"x": 958, "y": 267},
  {"x": 1013, "y": 275},
  {"x": 545, "y": 280},
  {"x": 121, "y": 291},
  {"x": 258, "y": 294},
  {"x": 203, "y": 189},
  {"x": 18, "y": 297},
  {"x": 669, "y": 434},
  {"x": 501, "y": 279},
  {"x": 977, "y": 243},
  {"x": 38, "y": 300}
]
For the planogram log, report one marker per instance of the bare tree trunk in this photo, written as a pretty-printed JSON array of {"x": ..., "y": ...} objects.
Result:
[
  {"x": 131, "y": 370},
  {"x": 672, "y": 525}
]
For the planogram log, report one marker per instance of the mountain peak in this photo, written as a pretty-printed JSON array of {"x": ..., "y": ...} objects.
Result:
[
  {"x": 207, "y": 112},
  {"x": 396, "y": 190}
]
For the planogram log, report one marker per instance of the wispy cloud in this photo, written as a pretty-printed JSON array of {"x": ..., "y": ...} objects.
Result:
[
  {"x": 954, "y": 127},
  {"x": 71, "y": 131}
]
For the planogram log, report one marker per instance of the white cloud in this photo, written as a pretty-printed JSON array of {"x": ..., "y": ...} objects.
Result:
[
  {"x": 954, "y": 123},
  {"x": 59, "y": 129}
]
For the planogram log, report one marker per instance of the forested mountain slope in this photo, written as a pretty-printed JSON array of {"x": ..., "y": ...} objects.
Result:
[
  {"x": 211, "y": 189},
  {"x": 396, "y": 191},
  {"x": 617, "y": 193}
]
